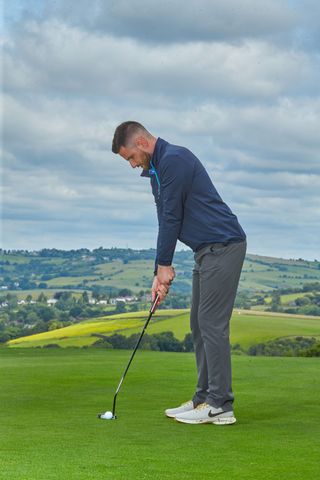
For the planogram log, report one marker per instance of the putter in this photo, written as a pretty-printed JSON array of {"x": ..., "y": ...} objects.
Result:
[{"x": 112, "y": 415}]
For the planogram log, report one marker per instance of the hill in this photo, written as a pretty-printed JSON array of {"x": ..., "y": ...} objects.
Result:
[
  {"x": 247, "y": 328},
  {"x": 114, "y": 269}
]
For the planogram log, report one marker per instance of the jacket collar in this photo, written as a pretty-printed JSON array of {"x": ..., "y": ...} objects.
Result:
[{"x": 158, "y": 152}]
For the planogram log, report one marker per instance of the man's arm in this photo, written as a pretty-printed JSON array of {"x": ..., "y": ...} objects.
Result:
[{"x": 175, "y": 178}]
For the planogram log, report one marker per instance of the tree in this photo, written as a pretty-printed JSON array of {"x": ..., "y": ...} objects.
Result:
[
  {"x": 120, "y": 307},
  {"x": 42, "y": 298},
  {"x": 39, "y": 327},
  {"x": 45, "y": 313},
  {"x": 167, "y": 342},
  {"x": 54, "y": 325},
  {"x": 32, "y": 318},
  {"x": 188, "y": 343},
  {"x": 275, "y": 301},
  {"x": 125, "y": 292},
  {"x": 75, "y": 311},
  {"x": 313, "y": 351},
  {"x": 85, "y": 297}
]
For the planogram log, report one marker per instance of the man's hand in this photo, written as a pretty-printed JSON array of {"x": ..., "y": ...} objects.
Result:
[
  {"x": 158, "y": 289},
  {"x": 162, "y": 288},
  {"x": 165, "y": 275}
]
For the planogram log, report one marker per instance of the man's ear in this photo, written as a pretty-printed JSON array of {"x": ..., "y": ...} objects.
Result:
[{"x": 141, "y": 142}]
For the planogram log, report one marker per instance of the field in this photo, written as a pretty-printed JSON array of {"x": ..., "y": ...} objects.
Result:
[
  {"x": 259, "y": 274},
  {"x": 49, "y": 293},
  {"x": 286, "y": 299},
  {"x": 49, "y": 430},
  {"x": 247, "y": 328}
]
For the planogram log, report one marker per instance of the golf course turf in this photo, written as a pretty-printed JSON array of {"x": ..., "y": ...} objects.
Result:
[{"x": 49, "y": 428}]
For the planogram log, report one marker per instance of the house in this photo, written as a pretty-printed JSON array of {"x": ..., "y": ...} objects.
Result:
[
  {"x": 51, "y": 301},
  {"x": 114, "y": 301}
]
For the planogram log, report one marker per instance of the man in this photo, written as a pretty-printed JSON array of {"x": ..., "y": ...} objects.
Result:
[{"x": 190, "y": 209}]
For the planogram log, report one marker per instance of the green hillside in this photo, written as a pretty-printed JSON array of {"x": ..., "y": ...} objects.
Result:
[
  {"x": 49, "y": 428},
  {"x": 247, "y": 328},
  {"x": 133, "y": 269}
]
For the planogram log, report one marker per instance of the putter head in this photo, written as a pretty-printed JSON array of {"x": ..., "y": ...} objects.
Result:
[{"x": 107, "y": 416}]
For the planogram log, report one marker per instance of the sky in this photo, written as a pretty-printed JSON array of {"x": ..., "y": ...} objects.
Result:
[{"x": 238, "y": 83}]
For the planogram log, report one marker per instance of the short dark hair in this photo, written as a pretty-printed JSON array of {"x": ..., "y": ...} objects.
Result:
[{"x": 123, "y": 132}]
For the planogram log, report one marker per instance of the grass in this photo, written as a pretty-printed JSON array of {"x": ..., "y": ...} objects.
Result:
[
  {"x": 49, "y": 293},
  {"x": 59, "y": 282},
  {"x": 247, "y": 328},
  {"x": 290, "y": 297},
  {"x": 134, "y": 275},
  {"x": 260, "y": 274},
  {"x": 49, "y": 401}
]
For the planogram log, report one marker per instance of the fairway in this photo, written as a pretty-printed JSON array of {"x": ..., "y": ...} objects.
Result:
[{"x": 50, "y": 398}]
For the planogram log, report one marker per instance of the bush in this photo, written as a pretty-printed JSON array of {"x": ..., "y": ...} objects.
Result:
[
  {"x": 167, "y": 342},
  {"x": 102, "y": 343},
  {"x": 313, "y": 351},
  {"x": 188, "y": 343},
  {"x": 283, "y": 347}
]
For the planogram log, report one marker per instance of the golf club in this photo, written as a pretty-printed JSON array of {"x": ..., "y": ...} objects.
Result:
[{"x": 112, "y": 415}]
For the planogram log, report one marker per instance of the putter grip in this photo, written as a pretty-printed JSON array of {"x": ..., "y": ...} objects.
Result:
[{"x": 155, "y": 304}]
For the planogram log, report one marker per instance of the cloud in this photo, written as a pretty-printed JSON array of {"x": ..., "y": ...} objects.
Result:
[
  {"x": 243, "y": 96},
  {"x": 178, "y": 21},
  {"x": 67, "y": 60}
]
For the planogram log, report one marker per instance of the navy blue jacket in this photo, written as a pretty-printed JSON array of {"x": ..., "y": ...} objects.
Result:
[{"x": 189, "y": 207}]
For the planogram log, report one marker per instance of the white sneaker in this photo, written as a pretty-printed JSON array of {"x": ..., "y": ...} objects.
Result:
[
  {"x": 185, "y": 407},
  {"x": 204, "y": 413}
]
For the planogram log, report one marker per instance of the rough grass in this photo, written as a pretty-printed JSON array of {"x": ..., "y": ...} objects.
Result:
[{"x": 49, "y": 430}]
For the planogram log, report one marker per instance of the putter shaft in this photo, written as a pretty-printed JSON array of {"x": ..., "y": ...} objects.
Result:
[{"x": 151, "y": 312}]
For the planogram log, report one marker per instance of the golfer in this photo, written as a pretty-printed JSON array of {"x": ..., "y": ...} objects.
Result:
[{"x": 190, "y": 209}]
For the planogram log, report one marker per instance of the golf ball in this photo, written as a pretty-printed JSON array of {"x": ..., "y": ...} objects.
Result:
[{"x": 107, "y": 415}]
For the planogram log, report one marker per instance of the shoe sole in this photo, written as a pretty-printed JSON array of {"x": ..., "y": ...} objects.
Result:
[{"x": 215, "y": 421}]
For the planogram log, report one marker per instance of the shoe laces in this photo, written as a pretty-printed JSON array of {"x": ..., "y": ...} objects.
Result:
[
  {"x": 202, "y": 406},
  {"x": 186, "y": 403}
]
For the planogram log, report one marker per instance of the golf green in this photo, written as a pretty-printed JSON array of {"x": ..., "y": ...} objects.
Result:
[{"x": 49, "y": 428}]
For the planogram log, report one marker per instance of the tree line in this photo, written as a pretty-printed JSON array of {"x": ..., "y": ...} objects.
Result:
[{"x": 167, "y": 342}]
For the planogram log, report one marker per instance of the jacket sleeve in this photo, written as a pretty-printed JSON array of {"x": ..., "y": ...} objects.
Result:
[{"x": 175, "y": 177}]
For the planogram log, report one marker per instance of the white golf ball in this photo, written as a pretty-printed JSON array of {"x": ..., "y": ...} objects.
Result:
[{"x": 107, "y": 415}]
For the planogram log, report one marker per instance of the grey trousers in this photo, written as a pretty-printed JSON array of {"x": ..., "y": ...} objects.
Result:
[{"x": 215, "y": 281}]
